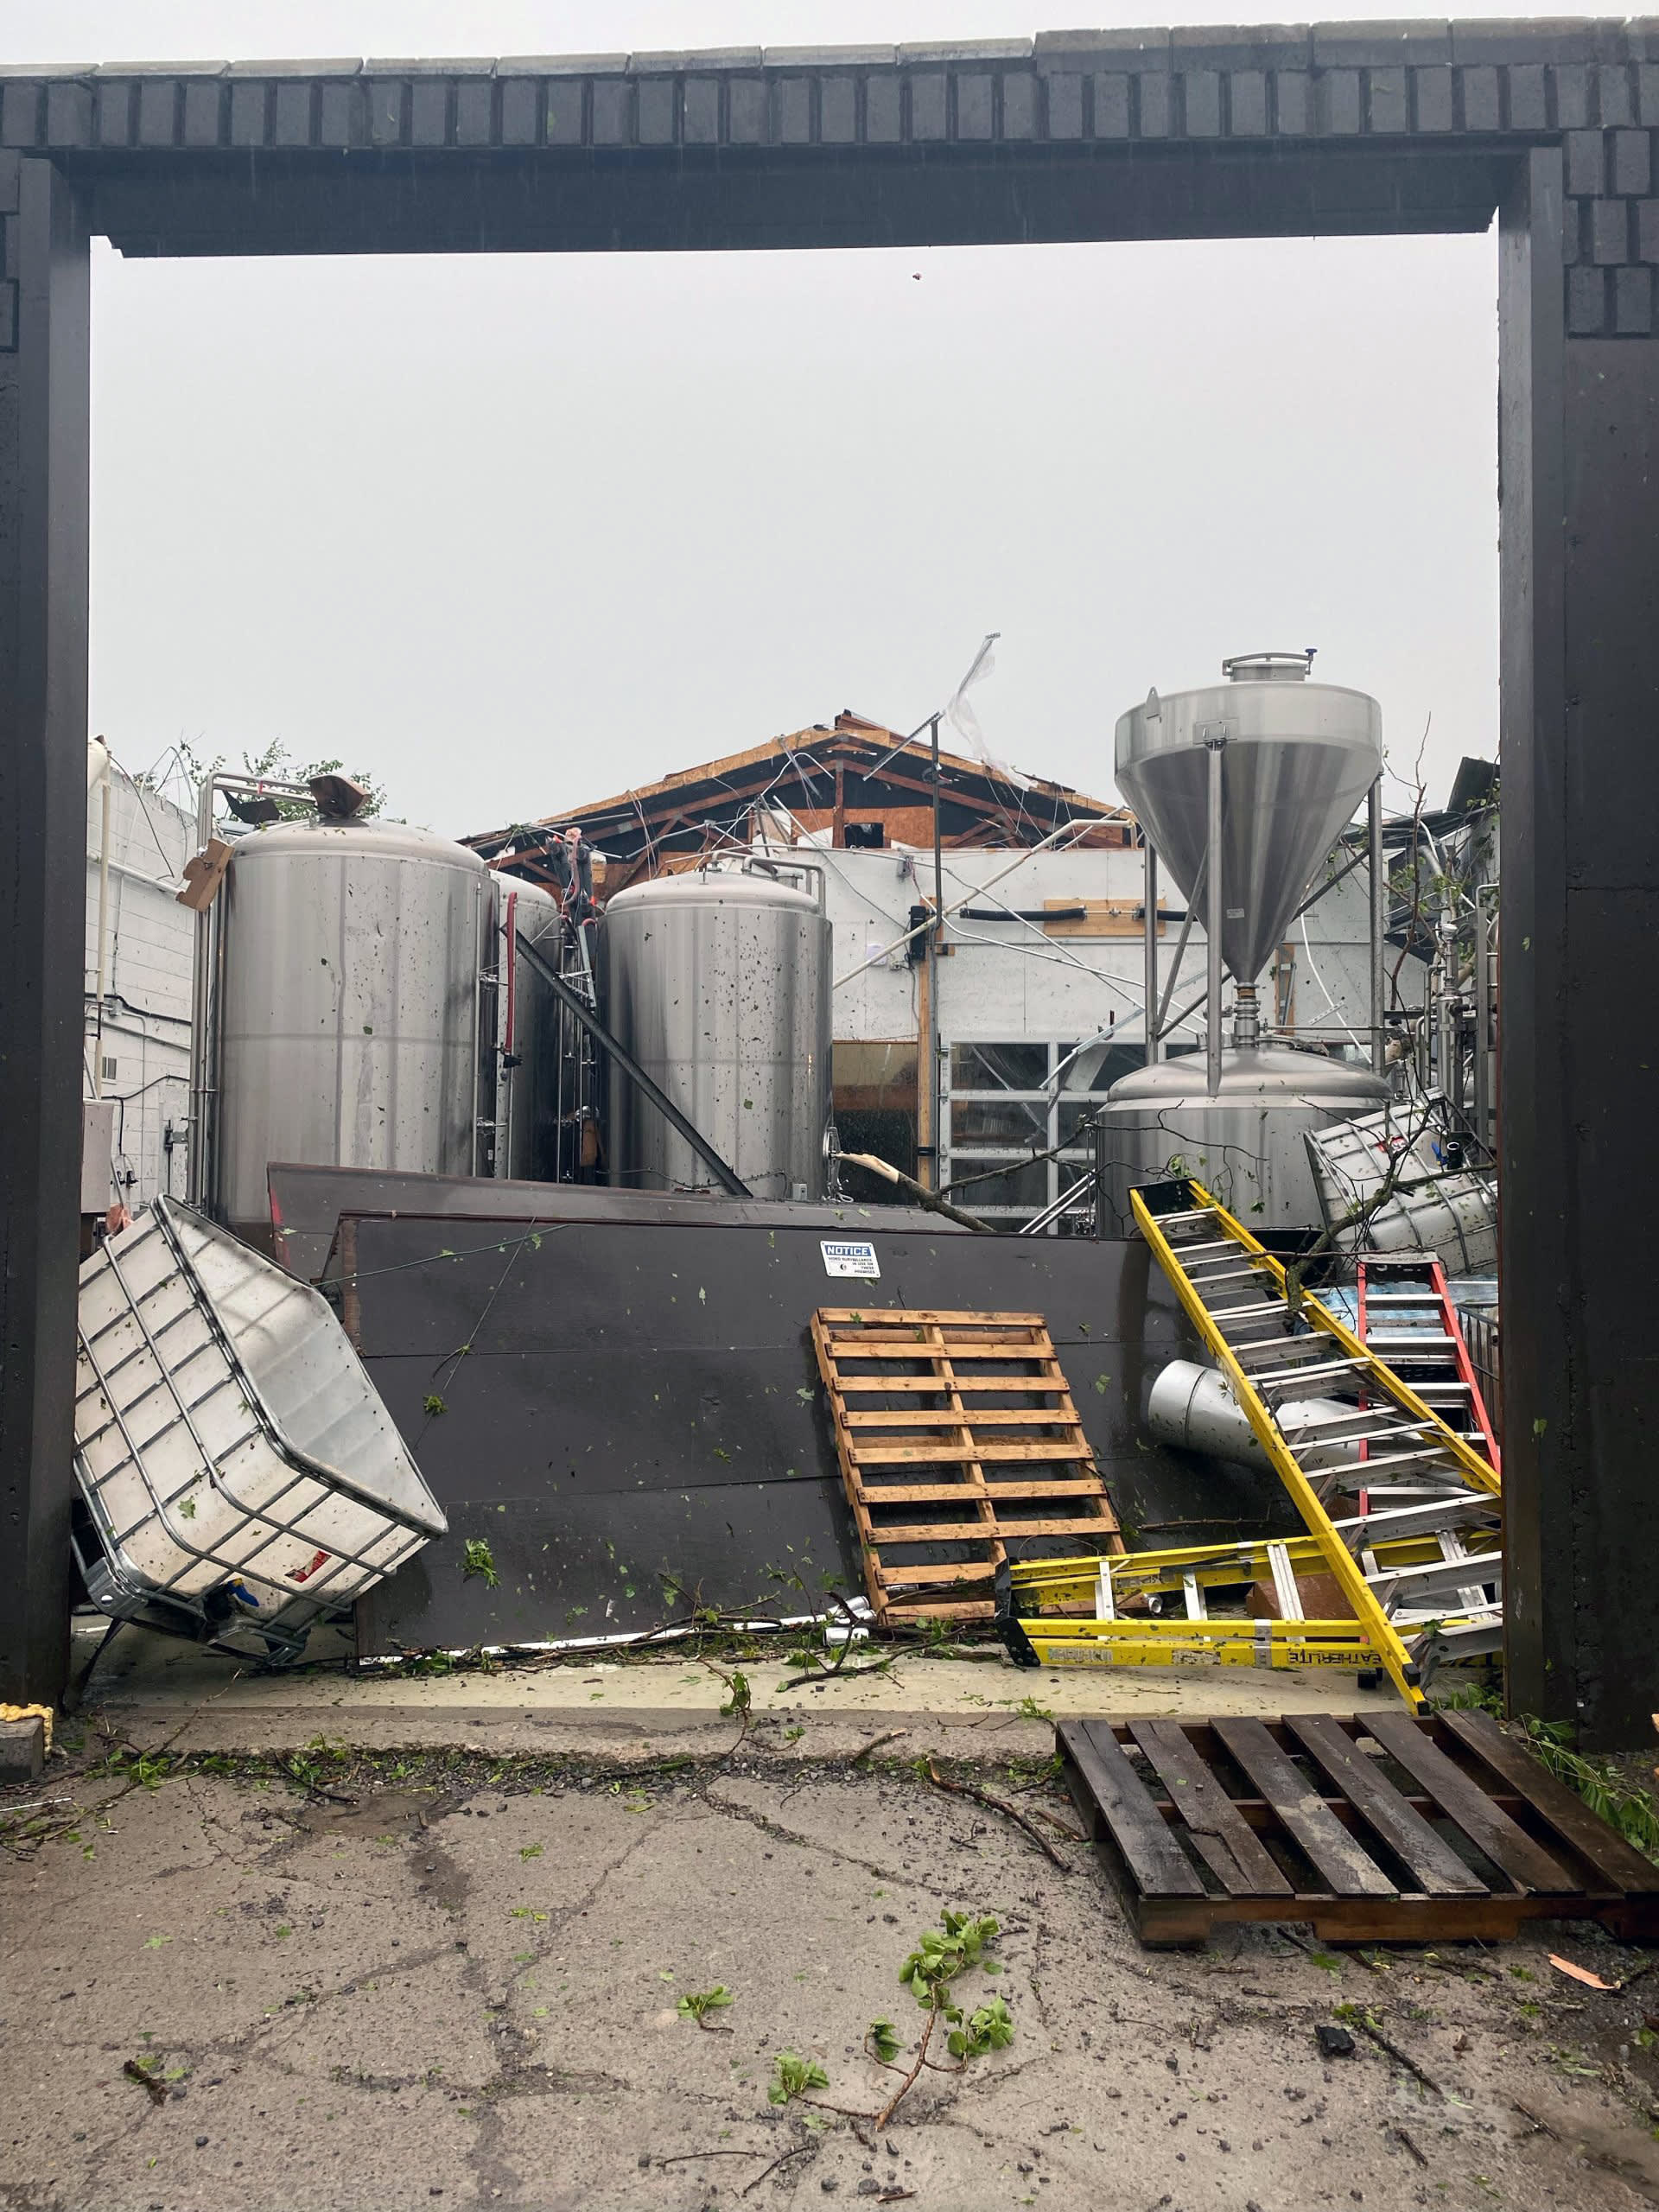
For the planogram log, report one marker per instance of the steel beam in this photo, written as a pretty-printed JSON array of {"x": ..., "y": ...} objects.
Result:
[
  {"x": 1578, "y": 431},
  {"x": 44, "y": 433}
]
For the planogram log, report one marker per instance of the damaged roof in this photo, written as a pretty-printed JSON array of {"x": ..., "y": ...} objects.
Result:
[{"x": 831, "y": 777}]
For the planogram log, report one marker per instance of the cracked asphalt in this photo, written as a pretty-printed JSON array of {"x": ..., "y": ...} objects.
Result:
[{"x": 434, "y": 1989}]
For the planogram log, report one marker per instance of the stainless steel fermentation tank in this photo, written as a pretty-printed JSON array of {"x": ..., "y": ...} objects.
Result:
[
  {"x": 1241, "y": 789},
  {"x": 718, "y": 982},
  {"x": 347, "y": 1024}
]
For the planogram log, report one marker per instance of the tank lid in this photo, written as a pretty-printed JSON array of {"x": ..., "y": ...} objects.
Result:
[
  {"x": 1264, "y": 1075},
  {"x": 715, "y": 888},
  {"x": 309, "y": 836},
  {"x": 1269, "y": 668}
]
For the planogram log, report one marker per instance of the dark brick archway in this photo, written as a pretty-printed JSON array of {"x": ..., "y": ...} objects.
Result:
[{"x": 1401, "y": 127}]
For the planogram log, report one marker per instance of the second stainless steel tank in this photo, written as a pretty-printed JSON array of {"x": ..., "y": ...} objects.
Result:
[
  {"x": 719, "y": 984},
  {"x": 348, "y": 1006},
  {"x": 1245, "y": 1143}
]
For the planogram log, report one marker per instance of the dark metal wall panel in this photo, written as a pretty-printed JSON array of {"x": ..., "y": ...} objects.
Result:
[
  {"x": 307, "y": 1204},
  {"x": 642, "y": 1402}
]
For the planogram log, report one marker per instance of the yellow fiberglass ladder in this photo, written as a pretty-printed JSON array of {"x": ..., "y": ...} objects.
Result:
[{"x": 1416, "y": 1562}]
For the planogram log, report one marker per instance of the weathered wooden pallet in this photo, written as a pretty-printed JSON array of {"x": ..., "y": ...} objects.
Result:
[
  {"x": 1386, "y": 1828},
  {"x": 957, "y": 1437}
]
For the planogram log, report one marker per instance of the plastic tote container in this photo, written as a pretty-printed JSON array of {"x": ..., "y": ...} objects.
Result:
[{"x": 241, "y": 1474}]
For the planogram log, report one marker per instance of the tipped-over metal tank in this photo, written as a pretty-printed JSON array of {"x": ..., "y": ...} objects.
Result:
[
  {"x": 1296, "y": 758},
  {"x": 348, "y": 1006},
  {"x": 718, "y": 983}
]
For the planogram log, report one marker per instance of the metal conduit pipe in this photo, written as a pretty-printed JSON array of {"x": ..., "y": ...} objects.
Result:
[{"x": 1192, "y": 1407}]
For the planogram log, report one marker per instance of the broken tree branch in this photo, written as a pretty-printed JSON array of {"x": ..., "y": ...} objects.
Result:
[
  {"x": 971, "y": 1790},
  {"x": 919, "y": 1191}
]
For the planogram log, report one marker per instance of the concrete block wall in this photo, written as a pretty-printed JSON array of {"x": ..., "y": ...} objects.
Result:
[{"x": 1590, "y": 85}]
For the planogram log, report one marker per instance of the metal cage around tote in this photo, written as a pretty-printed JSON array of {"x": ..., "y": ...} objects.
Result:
[{"x": 240, "y": 1474}]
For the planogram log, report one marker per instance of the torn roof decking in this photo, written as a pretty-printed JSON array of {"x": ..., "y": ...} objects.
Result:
[{"x": 822, "y": 777}]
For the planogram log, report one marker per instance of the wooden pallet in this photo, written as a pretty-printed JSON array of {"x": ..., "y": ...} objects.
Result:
[
  {"x": 1387, "y": 1828},
  {"x": 957, "y": 1437}
]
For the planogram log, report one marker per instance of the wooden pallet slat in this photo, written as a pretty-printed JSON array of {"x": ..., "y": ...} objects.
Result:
[
  {"x": 1036, "y": 1385},
  {"x": 1314, "y": 1794},
  {"x": 997, "y": 1482},
  {"x": 1230, "y": 1845},
  {"x": 884, "y": 1493},
  {"x": 989, "y": 1417},
  {"x": 1509, "y": 1847},
  {"x": 1433, "y": 1865},
  {"x": 1330, "y": 1846},
  {"x": 934, "y": 1532},
  {"x": 1619, "y": 1864},
  {"x": 1138, "y": 1830}
]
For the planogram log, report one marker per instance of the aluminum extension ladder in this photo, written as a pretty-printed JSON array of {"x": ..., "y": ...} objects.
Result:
[
  {"x": 1418, "y": 1560},
  {"x": 1405, "y": 1313}
]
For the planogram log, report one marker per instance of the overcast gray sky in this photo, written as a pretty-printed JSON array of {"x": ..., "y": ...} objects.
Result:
[{"x": 517, "y": 532}]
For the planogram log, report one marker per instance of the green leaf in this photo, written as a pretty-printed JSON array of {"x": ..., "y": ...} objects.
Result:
[
  {"x": 479, "y": 1559},
  {"x": 432, "y": 1406},
  {"x": 697, "y": 2002},
  {"x": 883, "y": 2040},
  {"x": 793, "y": 2076}
]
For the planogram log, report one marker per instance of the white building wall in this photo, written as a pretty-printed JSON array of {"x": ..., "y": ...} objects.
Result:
[
  {"x": 143, "y": 1027},
  {"x": 1009, "y": 978},
  {"x": 1008, "y": 982}
]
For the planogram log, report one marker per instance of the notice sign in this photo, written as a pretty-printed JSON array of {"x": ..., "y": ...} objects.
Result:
[{"x": 849, "y": 1259}]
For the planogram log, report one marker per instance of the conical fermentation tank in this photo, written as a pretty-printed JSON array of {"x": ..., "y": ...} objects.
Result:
[
  {"x": 1288, "y": 762},
  {"x": 349, "y": 1007},
  {"x": 718, "y": 983}
]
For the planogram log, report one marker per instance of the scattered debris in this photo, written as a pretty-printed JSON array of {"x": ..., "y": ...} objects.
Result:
[
  {"x": 1581, "y": 1973},
  {"x": 996, "y": 1805},
  {"x": 869, "y": 1749},
  {"x": 479, "y": 1559},
  {"x": 142, "y": 2071},
  {"x": 1367, "y": 2026},
  {"x": 800, "y": 2150},
  {"x": 1401, "y": 2137},
  {"x": 1334, "y": 2043}
]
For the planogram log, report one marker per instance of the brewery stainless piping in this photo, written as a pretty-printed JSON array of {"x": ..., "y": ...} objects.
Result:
[
  {"x": 1379, "y": 925},
  {"x": 1149, "y": 912},
  {"x": 1215, "y": 920}
]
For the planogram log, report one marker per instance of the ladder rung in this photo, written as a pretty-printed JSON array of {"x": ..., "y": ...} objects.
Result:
[
  {"x": 1422, "y": 1520},
  {"x": 1300, "y": 1374},
  {"x": 1323, "y": 1443},
  {"x": 1284, "y": 1584},
  {"x": 1401, "y": 1460}
]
